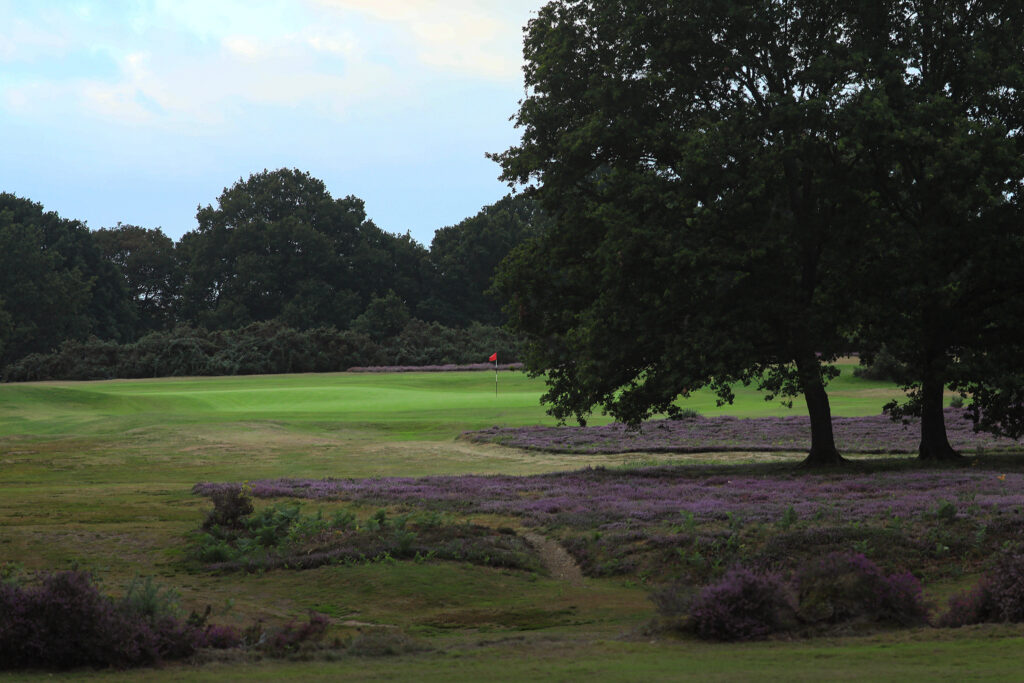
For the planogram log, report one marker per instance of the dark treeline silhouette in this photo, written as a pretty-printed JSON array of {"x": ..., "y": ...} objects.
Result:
[{"x": 278, "y": 276}]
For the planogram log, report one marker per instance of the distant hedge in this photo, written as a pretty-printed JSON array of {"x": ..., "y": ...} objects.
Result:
[{"x": 262, "y": 348}]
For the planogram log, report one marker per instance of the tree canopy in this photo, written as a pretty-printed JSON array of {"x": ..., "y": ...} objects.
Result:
[
  {"x": 712, "y": 173},
  {"x": 695, "y": 171},
  {"x": 275, "y": 248},
  {"x": 54, "y": 284},
  {"x": 941, "y": 127}
]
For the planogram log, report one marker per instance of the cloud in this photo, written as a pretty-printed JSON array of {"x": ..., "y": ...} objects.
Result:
[
  {"x": 196, "y": 65},
  {"x": 23, "y": 41},
  {"x": 480, "y": 38}
]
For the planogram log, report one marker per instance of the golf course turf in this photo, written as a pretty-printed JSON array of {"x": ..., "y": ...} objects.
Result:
[{"x": 100, "y": 475}]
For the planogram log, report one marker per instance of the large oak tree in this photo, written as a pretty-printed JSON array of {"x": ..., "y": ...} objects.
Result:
[
  {"x": 693, "y": 158},
  {"x": 942, "y": 127}
]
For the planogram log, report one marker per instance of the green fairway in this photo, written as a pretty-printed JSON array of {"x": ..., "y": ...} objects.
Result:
[{"x": 406, "y": 405}]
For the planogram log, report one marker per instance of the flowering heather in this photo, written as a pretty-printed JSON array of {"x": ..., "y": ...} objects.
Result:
[
  {"x": 435, "y": 368},
  {"x": 743, "y": 605},
  {"x": 599, "y": 498},
  {"x": 872, "y": 434}
]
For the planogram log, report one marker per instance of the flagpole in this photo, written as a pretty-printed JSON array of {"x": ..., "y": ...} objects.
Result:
[{"x": 495, "y": 375}]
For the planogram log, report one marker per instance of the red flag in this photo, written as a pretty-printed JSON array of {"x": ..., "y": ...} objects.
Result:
[{"x": 494, "y": 357}]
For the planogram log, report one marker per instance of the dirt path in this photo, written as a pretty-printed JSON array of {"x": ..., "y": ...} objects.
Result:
[{"x": 555, "y": 558}]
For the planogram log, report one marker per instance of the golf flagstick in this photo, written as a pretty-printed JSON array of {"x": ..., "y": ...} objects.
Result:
[{"x": 494, "y": 357}]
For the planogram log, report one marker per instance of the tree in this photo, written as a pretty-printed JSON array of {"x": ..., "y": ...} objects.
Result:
[
  {"x": 54, "y": 283},
  {"x": 465, "y": 256},
  {"x": 147, "y": 262},
  {"x": 383, "y": 319},
  {"x": 941, "y": 127},
  {"x": 693, "y": 157},
  {"x": 278, "y": 245}
]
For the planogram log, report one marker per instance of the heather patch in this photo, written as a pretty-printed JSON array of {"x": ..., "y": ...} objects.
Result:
[
  {"x": 998, "y": 596},
  {"x": 664, "y": 523},
  {"x": 840, "y": 589},
  {"x": 62, "y": 621},
  {"x": 448, "y": 367},
  {"x": 695, "y": 434}
]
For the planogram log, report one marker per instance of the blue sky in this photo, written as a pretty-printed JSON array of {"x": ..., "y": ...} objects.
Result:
[{"x": 139, "y": 110}]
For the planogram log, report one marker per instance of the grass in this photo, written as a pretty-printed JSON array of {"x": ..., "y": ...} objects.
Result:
[{"x": 99, "y": 474}]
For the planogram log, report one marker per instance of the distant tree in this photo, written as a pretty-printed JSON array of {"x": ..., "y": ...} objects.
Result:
[
  {"x": 6, "y": 327},
  {"x": 385, "y": 262},
  {"x": 278, "y": 245},
  {"x": 693, "y": 159},
  {"x": 383, "y": 319},
  {"x": 941, "y": 125},
  {"x": 464, "y": 257},
  {"x": 54, "y": 283},
  {"x": 147, "y": 261}
]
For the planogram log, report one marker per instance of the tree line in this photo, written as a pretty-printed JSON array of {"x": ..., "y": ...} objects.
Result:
[
  {"x": 274, "y": 248},
  {"x": 745, "y": 190}
]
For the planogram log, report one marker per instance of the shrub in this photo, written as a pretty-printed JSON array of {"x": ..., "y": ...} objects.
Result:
[
  {"x": 881, "y": 366},
  {"x": 263, "y": 348},
  {"x": 65, "y": 622},
  {"x": 743, "y": 605},
  {"x": 846, "y": 586},
  {"x": 290, "y": 637},
  {"x": 231, "y": 506},
  {"x": 221, "y": 637},
  {"x": 147, "y": 598},
  {"x": 998, "y": 597},
  {"x": 673, "y": 601}
]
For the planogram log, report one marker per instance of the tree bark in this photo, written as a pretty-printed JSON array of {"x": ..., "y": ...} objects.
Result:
[
  {"x": 823, "y": 445},
  {"x": 934, "y": 442}
]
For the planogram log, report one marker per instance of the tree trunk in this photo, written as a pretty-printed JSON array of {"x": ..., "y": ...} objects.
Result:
[
  {"x": 934, "y": 442},
  {"x": 823, "y": 445}
]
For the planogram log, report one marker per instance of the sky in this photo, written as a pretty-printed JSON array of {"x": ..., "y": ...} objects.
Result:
[{"x": 139, "y": 111}]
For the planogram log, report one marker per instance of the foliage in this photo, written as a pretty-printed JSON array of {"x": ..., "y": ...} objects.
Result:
[
  {"x": 384, "y": 318},
  {"x": 146, "y": 260},
  {"x": 288, "y": 639},
  {"x": 148, "y": 599},
  {"x": 846, "y": 586},
  {"x": 277, "y": 245},
  {"x": 260, "y": 348},
  {"x": 882, "y": 366},
  {"x": 64, "y": 621},
  {"x": 699, "y": 196},
  {"x": 464, "y": 257},
  {"x": 231, "y": 506},
  {"x": 282, "y": 536},
  {"x": 998, "y": 597},
  {"x": 743, "y": 605},
  {"x": 54, "y": 284},
  {"x": 940, "y": 285}
]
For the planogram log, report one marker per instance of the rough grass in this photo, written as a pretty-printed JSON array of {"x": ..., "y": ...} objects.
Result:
[{"x": 99, "y": 475}]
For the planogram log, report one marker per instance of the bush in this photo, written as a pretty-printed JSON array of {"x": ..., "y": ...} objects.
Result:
[
  {"x": 882, "y": 366},
  {"x": 743, "y": 605},
  {"x": 148, "y": 599},
  {"x": 289, "y": 638},
  {"x": 231, "y": 506},
  {"x": 263, "y": 348},
  {"x": 846, "y": 586},
  {"x": 65, "y": 622},
  {"x": 998, "y": 597}
]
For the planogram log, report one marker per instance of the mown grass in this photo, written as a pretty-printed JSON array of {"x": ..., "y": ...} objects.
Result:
[{"x": 99, "y": 475}]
